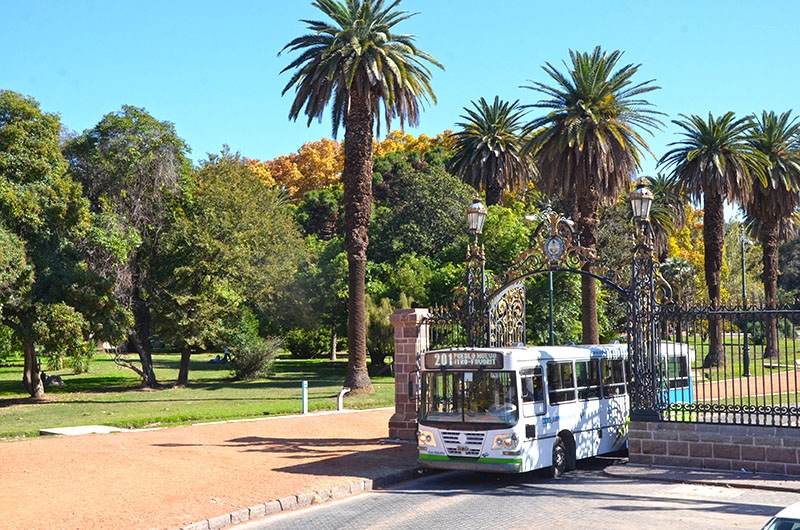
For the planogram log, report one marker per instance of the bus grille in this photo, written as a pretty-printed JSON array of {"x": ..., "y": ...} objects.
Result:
[{"x": 459, "y": 443}]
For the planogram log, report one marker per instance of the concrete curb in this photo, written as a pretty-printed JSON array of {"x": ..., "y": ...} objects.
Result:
[
  {"x": 293, "y": 502},
  {"x": 727, "y": 479}
]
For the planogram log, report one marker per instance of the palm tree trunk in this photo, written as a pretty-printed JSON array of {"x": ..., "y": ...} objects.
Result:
[
  {"x": 31, "y": 375},
  {"x": 769, "y": 242},
  {"x": 494, "y": 191},
  {"x": 357, "y": 180},
  {"x": 713, "y": 239},
  {"x": 588, "y": 222}
]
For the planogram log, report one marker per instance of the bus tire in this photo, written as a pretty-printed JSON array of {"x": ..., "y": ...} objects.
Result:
[{"x": 559, "y": 458}]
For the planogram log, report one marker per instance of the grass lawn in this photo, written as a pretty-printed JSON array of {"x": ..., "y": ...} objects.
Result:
[
  {"x": 734, "y": 357},
  {"x": 110, "y": 395}
]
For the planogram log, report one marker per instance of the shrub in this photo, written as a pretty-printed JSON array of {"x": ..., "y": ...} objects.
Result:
[
  {"x": 308, "y": 344},
  {"x": 253, "y": 355}
]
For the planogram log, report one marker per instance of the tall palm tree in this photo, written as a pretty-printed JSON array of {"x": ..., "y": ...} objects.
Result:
[
  {"x": 589, "y": 146},
  {"x": 771, "y": 211},
  {"x": 715, "y": 162},
  {"x": 362, "y": 65},
  {"x": 488, "y": 150}
]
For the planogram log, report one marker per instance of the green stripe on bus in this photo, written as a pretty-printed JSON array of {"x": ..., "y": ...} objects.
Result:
[{"x": 478, "y": 461}]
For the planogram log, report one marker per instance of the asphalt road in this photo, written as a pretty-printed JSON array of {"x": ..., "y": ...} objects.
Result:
[{"x": 585, "y": 498}]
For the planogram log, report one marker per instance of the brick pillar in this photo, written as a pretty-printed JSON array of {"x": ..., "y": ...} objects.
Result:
[{"x": 410, "y": 338}]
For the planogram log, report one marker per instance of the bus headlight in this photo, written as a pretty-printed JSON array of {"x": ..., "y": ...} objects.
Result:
[
  {"x": 426, "y": 438},
  {"x": 505, "y": 441}
]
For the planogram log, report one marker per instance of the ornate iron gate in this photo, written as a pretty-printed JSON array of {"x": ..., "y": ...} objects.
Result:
[{"x": 497, "y": 318}]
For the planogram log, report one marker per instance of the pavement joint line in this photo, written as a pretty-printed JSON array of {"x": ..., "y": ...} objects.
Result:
[
  {"x": 729, "y": 479},
  {"x": 303, "y": 500}
]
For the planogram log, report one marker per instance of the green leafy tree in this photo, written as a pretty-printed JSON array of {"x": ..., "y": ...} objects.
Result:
[
  {"x": 589, "y": 144},
  {"x": 488, "y": 151},
  {"x": 51, "y": 294},
  {"x": 320, "y": 213},
  {"x": 714, "y": 161},
  {"x": 135, "y": 166},
  {"x": 771, "y": 210},
  {"x": 422, "y": 211},
  {"x": 233, "y": 244},
  {"x": 359, "y": 62}
]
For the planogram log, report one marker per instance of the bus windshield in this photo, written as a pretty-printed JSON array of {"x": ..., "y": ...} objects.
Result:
[{"x": 469, "y": 397}]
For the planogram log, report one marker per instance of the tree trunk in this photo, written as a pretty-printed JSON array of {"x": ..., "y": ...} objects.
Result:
[
  {"x": 31, "y": 375},
  {"x": 357, "y": 180},
  {"x": 494, "y": 191},
  {"x": 333, "y": 343},
  {"x": 140, "y": 338},
  {"x": 769, "y": 242},
  {"x": 183, "y": 372},
  {"x": 713, "y": 239},
  {"x": 588, "y": 222}
]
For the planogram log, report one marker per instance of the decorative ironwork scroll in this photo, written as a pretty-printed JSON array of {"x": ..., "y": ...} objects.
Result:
[{"x": 507, "y": 317}]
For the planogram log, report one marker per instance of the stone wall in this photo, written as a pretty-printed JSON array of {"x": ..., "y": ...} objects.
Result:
[
  {"x": 715, "y": 446},
  {"x": 410, "y": 338}
]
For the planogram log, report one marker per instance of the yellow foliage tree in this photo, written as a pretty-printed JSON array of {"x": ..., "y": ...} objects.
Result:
[
  {"x": 399, "y": 141},
  {"x": 687, "y": 243}
]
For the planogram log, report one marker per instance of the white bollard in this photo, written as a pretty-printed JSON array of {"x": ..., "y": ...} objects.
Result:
[
  {"x": 305, "y": 397},
  {"x": 342, "y": 392}
]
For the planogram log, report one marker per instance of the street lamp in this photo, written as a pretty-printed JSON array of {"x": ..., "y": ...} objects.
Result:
[
  {"x": 476, "y": 261},
  {"x": 641, "y": 201},
  {"x": 746, "y": 353},
  {"x": 476, "y": 215}
]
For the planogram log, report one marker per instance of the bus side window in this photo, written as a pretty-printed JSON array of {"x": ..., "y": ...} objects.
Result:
[
  {"x": 613, "y": 377},
  {"x": 560, "y": 381},
  {"x": 588, "y": 374}
]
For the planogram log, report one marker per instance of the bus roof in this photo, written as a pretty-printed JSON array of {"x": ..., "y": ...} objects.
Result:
[{"x": 522, "y": 353}]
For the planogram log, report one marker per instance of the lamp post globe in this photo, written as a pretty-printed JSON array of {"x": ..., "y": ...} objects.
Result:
[
  {"x": 476, "y": 216},
  {"x": 641, "y": 201}
]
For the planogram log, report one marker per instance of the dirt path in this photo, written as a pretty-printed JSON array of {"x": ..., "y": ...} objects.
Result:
[{"x": 172, "y": 477}]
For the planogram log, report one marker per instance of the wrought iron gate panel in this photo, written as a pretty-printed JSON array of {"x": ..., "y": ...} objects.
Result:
[{"x": 507, "y": 316}]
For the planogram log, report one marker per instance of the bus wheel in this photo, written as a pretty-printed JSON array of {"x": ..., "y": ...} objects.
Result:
[{"x": 559, "y": 458}]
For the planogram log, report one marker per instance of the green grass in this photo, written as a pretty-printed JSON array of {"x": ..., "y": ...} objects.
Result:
[
  {"x": 732, "y": 365},
  {"x": 110, "y": 395}
]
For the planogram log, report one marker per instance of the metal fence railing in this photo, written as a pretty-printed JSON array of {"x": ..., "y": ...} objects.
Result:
[{"x": 728, "y": 365}]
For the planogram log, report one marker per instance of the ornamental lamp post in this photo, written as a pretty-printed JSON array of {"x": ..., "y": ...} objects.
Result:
[
  {"x": 476, "y": 273},
  {"x": 476, "y": 216},
  {"x": 641, "y": 201}
]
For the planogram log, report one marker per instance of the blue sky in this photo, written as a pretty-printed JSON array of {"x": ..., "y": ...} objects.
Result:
[{"x": 212, "y": 67}]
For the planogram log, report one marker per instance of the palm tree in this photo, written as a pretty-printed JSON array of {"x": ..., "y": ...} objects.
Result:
[
  {"x": 488, "y": 149},
  {"x": 714, "y": 161},
  {"x": 770, "y": 212},
  {"x": 358, "y": 62},
  {"x": 588, "y": 145}
]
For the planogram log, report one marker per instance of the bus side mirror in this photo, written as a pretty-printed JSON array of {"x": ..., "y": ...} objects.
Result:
[{"x": 411, "y": 393}]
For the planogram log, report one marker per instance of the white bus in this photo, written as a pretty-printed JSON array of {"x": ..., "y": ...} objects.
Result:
[{"x": 518, "y": 409}]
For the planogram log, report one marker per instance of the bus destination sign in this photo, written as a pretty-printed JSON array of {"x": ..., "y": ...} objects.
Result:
[{"x": 464, "y": 359}]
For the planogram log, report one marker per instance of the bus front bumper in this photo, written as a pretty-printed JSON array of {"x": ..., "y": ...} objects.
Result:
[{"x": 489, "y": 465}]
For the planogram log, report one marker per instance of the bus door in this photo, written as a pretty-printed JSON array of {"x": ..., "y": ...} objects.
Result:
[{"x": 532, "y": 396}]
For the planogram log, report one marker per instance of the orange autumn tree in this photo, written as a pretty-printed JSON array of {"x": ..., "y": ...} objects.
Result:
[
  {"x": 314, "y": 166},
  {"x": 318, "y": 165}
]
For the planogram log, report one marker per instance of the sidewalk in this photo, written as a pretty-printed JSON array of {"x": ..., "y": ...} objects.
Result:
[
  {"x": 199, "y": 476},
  {"x": 730, "y": 479}
]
